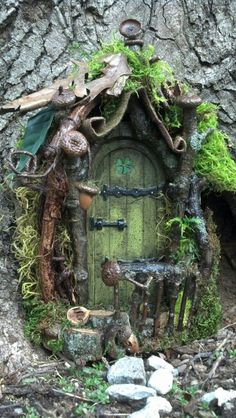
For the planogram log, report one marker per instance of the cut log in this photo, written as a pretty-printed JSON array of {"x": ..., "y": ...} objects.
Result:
[{"x": 82, "y": 344}]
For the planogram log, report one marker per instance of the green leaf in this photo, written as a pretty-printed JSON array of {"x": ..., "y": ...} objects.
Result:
[{"x": 36, "y": 133}]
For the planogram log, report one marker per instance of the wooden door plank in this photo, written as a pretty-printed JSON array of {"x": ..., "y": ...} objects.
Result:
[{"x": 118, "y": 210}]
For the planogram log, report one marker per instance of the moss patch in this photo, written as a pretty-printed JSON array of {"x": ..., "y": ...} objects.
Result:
[
  {"x": 207, "y": 320},
  {"x": 143, "y": 73},
  {"x": 208, "y": 313},
  {"x": 40, "y": 316},
  {"x": 187, "y": 250},
  {"x": 26, "y": 240},
  {"x": 25, "y": 245},
  {"x": 214, "y": 161}
]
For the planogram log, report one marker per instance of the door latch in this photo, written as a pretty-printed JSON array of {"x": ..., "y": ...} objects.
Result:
[{"x": 100, "y": 223}]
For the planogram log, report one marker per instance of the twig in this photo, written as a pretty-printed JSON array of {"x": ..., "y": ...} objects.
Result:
[
  {"x": 222, "y": 344},
  {"x": 70, "y": 395},
  {"x": 227, "y": 326},
  {"x": 198, "y": 356},
  {"x": 215, "y": 365},
  {"x": 10, "y": 406},
  {"x": 105, "y": 362},
  {"x": 46, "y": 411},
  {"x": 115, "y": 415}
]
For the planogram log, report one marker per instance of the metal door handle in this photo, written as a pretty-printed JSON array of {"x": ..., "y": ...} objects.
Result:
[{"x": 100, "y": 223}]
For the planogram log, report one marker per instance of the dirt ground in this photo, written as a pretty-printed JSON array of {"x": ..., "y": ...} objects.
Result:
[{"x": 58, "y": 389}]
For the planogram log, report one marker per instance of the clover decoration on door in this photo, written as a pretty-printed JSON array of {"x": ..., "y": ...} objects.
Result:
[{"x": 124, "y": 166}]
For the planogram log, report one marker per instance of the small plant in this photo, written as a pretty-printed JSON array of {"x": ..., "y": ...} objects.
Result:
[
  {"x": 173, "y": 117},
  {"x": 56, "y": 345},
  {"x": 178, "y": 393},
  {"x": 95, "y": 388},
  {"x": 232, "y": 353},
  {"x": 175, "y": 388},
  {"x": 85, "y": 409},
  {"x": 184, "y": 394},
  {"x": 31, "y": 412},
  {"x": 187, "y": 243},
  {"x": 192, "y": 390},
  {"x": 109, "y": 106},
  {"x": 67, "y": 385}
]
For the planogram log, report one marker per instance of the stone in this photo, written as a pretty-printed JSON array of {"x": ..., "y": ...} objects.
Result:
[
  {"x": 153, "y": 406},
  {"x": 162, "y": 404},
  {"x": 181, "y": 369},
  {"x": 161, "y": 380},
  {"x": 200, "y": 368},
  {"x": 144, "y": 413},
  {"x": 176, "y": 362},
  {"x": 221, "y": 395},
  {"x": 155, "y": 363},
  {"x": 127, "y": 370},
  {"x": 134, "y": 395},
  {"x": 186, "y": 356}
]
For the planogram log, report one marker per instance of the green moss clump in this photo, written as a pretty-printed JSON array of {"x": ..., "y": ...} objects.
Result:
[
  {"x": 143, "y": 73},
  {"x": 25, "y": 245},
  {"x": 187, "y": 250},
  {"x": 214, "y": 161},
  {"x": 109, "y": 106},
  {"x": 40, "y": 315},
  {"x": 207, "y": 116},
  {"x": 208, "y": 311},
  {"x": 173, "y": 117},
  {"x": 206, "y": 322},
  {"x": 26, "y": 241}
]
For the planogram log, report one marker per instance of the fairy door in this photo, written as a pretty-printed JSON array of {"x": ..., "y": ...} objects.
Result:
[{"x": 123, "y": 219}]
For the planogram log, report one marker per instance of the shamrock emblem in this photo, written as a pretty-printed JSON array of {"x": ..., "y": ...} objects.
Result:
[{"x": 124, "y": 166}]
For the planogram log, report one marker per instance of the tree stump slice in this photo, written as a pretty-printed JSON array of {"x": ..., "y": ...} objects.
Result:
[{"x": 82, "y": 344}]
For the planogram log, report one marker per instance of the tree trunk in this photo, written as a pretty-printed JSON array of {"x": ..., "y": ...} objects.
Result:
[{"x": 196, "y": 38}]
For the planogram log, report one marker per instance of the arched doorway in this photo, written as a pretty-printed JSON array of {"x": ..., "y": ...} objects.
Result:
[{"x": 129, "y": 176}]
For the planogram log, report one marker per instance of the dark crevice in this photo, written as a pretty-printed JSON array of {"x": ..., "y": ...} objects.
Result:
[{"x": 222, "y": 215}]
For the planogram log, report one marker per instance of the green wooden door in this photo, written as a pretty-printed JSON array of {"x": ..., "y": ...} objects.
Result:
[{"x": 128, "y": 165}]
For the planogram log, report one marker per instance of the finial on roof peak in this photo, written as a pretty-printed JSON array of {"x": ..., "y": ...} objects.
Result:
[{"x": 131, "y": 29}]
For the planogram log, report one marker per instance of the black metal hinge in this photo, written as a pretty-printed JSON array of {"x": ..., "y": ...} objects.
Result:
[
  {"x": 100, "y": 223},
  {"x": 135, "y": 192}
]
